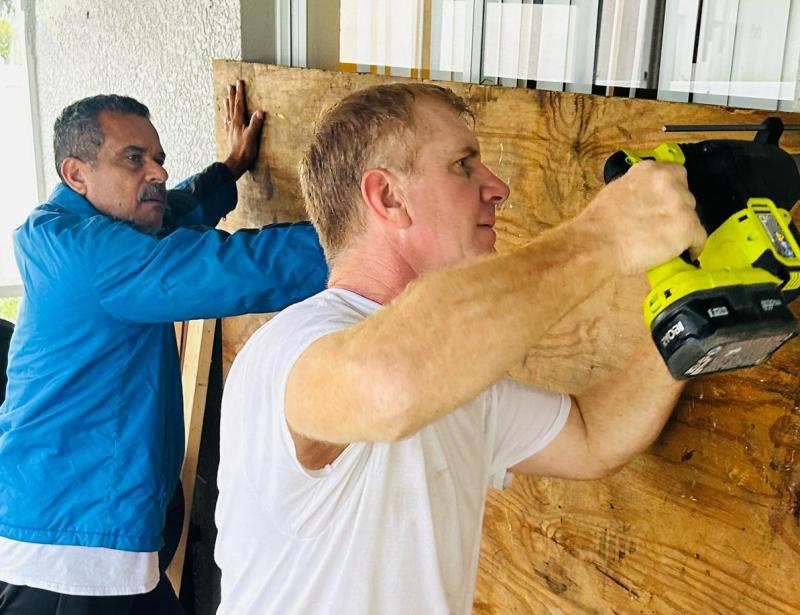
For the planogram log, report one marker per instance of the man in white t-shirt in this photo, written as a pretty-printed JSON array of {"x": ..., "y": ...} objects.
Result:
[{"x": 362, "y": 428}]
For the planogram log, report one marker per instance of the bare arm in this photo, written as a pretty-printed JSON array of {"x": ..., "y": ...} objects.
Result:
[
  {"x": 611, "y": 422},
  {"x": 456, "y": 331}
]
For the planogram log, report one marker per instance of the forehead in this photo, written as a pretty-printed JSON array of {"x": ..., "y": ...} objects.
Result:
[
  {"x": 124, "y": 129},
  {"x": 441, "y": 130}
]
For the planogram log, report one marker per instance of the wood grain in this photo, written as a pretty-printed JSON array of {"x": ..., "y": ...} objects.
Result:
[{"x": 708, "y": 521}]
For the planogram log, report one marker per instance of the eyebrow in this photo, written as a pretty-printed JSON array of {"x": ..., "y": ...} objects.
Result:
[
  {"x": 136, "y": 149},
  {"x": 468, "y": 152},
  {"x": 132, "y": 149}
]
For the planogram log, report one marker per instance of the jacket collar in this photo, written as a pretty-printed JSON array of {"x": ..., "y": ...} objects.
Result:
[{"x": 64, "y": 196}]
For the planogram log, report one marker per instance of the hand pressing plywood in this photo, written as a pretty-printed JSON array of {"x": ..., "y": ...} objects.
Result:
[{"x": 708, "y": 520}]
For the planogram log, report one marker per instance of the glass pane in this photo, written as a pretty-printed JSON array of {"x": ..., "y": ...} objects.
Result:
[
  {"x": 543, "y": 42},
  {"x": 380, "y": 33},
  {"x": 625, "y": 44},
  {"x": 17, "y": 161},
  {"x": 743, "y": 53},
  {"x": 417, "y": 38},
  {"x": 758, "y": 52}
]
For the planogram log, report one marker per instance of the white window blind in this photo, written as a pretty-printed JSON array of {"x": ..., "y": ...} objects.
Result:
[{"x": 736, "y": 52}]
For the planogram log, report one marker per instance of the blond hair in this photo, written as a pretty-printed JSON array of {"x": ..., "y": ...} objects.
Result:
[{"x": 370, "y": 128}]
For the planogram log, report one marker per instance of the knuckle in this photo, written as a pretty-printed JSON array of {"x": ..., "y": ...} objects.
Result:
[{"x": 679, "y": 170}]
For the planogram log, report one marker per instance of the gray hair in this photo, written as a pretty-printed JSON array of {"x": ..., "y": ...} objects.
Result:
[{"x": 77, "y": 132}]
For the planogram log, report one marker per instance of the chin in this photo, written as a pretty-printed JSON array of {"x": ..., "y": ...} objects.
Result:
[
  {"x": 487, "y": 248},
  {"x": 149, "y": 227},
  {"x": 477, "y": 253},
  {"x": 485, "y": 239}
]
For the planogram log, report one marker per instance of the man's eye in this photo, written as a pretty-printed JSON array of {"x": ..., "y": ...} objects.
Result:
[
  {"x": 463, "y": 163},
  {"x": 135, "y": 158}
]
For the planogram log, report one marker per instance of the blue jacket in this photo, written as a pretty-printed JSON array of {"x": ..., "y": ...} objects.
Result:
[{"x": 91, "y": 432}]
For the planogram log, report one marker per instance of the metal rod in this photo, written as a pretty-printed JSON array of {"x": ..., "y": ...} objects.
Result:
[{"x": 720, "y": 127}]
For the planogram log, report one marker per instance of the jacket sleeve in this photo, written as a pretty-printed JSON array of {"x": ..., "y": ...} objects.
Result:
[
  {"x": 200, "y": 200},
  {"x": 201, "y": 273}
]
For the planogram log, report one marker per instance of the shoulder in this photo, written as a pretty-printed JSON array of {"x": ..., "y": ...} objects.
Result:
[
  {"x": 277, "y": 344},
  {"x": 325, "y": 312},
  {"x": 332, "y": 309},
  {"x": 54, "y": 233},
  {"x": 50, "y": 219}
]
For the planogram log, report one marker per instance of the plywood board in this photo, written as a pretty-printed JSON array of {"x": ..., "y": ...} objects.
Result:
[
  {"x": 195, "y": 343},
  {"x": 708, "y": 521}
]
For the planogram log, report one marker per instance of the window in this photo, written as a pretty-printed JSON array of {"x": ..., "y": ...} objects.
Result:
[
  {"x": 17, "y": 156},
  {"x": 732, "y": 52}
]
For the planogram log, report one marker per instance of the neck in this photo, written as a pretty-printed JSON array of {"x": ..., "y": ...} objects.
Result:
[{"x": 379, "y": 275}]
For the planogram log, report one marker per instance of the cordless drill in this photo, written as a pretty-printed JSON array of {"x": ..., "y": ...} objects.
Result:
[{"x": 728, "y": 309}]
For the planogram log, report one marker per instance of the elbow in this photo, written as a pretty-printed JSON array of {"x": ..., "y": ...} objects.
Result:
[
  {"x": 392, "y": 432},
  {"x": 393, "y": 418},
  {"x": 396, "y": 408},
  {"x": 604, "y": 463},
  {"x": 599, "y": 469}
]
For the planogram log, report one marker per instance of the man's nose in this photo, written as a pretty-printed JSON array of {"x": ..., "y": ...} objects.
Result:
[
  {"x": 494, "y": 189},
  {"x": 156, "y": 173}
]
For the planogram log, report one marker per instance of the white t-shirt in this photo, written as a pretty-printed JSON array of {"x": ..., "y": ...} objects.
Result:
[
  {"x": 385, "y": 528},
  {"x": 76, "y": 570}
]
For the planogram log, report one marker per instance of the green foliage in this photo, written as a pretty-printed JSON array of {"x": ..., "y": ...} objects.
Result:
[
  {"x": 9, "y": 308},
  {"x": 7, "y": 10},
  {"x": 6, "y": 37}
]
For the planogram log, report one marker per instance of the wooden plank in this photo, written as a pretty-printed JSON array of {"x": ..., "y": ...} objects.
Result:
[
  {"x": 180, "y": 338},
  {"x": 709, "y": 519},
  {"x": 427, "y": 24},
  {"x": 196, "y": 363}
]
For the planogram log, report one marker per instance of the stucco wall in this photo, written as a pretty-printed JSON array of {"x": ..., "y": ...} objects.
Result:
[{"x": 159, "y": 52}]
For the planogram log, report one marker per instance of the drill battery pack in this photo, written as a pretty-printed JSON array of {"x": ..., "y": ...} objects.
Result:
[{"x": 723, "y": 329}]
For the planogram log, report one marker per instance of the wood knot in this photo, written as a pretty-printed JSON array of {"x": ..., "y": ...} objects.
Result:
[{"x": 794, "y": 507}]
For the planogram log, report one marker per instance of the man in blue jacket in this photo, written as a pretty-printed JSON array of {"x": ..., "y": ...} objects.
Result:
[{"x": 91, "y": 432}]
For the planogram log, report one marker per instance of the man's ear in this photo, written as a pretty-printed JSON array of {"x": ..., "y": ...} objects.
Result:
[
  {"x": 382, "y": 193},
  {"x": 74, "y": 171}
]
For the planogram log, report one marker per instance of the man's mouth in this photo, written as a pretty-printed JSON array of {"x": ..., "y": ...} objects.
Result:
[
  {"x": 153, "y": 194},
  {"x": 155, "y": 204}
]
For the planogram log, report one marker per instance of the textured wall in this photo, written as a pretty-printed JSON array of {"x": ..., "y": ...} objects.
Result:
[{"x": 158, "y": 52}]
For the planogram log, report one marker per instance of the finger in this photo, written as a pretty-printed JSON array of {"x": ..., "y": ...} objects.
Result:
[
  {"x": 676, "y": 169},
  {"x": 257, "y": 119},
  {"x": 229, "y": 100},
  {"x": 239, "y": 102},
  {"x": 253, "y": 129},
  {"x": 699, "y": 237}
]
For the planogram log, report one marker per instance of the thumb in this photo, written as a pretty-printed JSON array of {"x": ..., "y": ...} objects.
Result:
[
  {"x": 257, "y": 119},
  {"x": 253, "y": 129}
]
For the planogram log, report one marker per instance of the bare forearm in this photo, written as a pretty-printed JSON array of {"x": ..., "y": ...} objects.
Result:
[
  {"x": 624, "y": 414},
  {"x": 592, "y": 341}
]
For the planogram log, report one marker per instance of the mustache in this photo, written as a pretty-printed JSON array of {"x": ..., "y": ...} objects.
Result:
[{"x": 153, "y": 192}]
